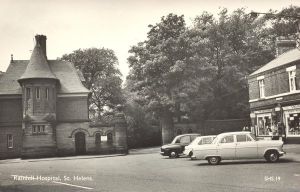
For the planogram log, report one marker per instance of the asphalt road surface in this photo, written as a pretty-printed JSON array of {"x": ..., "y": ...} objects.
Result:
[{"x": 147, "y": 172}]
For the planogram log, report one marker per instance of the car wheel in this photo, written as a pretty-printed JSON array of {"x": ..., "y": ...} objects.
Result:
[
  {"x": 191, "y": 154},
  {"x": 173, "y": 154},
  {"x": 272, "y": 156},
  {"x": 214, "y": 160}
]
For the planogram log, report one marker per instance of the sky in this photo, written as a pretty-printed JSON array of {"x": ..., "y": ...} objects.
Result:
[{"x": 113, "y": 24}]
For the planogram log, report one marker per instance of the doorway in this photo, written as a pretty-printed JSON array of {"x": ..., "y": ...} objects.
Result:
[{"x": 80, "y": 143}]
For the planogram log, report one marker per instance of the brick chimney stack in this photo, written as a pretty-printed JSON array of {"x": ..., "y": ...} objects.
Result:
[
  {"x": 284, "y": 44},
  {"x": 41, "y": 40}
]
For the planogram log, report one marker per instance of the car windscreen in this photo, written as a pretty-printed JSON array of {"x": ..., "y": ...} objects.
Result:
[{"x": 253, "y": 136}]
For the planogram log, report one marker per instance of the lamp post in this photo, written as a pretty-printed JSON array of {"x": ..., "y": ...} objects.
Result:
[{"x": 279, "y": 15}]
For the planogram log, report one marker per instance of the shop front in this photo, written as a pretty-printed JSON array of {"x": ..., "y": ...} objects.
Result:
[
  {"x": 291, "y": 115},
  {"x": 277, "y": 123}
]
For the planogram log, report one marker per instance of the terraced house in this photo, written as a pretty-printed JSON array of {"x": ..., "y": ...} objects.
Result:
[
  {"x": 274, "y": 93},
  {"x": 44, "y": 111}
]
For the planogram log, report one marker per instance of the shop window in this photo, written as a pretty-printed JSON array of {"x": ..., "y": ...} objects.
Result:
[
  {"x": 294, "y": 124},
  {"x": 109, "y": 137},
  {"x": 97, "y": 138},
  {"x": 261, "y": 84},
  {"x": 38, "y": 129},
  {"x": 10, "y": 141},
  {"x": 264, "y": 123},
  {"x": 37, "y": 92},
  {"x": 292, "y": 80}
]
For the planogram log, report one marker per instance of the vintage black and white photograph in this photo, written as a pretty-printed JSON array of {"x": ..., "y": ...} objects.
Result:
[{"x": 150, "y": 95}]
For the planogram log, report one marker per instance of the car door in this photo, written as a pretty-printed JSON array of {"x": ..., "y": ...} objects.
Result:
[
  {"x": 226, "y": 147},
  {"x": 246, "y": 147}
]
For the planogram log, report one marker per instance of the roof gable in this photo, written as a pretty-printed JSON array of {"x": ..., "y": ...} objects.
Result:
[
  {"x": 283, "y": 59},
  {"x": 64, "y": 71}
]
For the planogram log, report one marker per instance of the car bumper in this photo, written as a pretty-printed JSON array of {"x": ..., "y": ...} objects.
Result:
[
  {"x": 281, "y": 153},
  {"x": 164, "y": 153},
  {"x": 187, "y": 152}
]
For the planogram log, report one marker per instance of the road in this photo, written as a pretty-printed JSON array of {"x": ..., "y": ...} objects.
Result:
[{"x": 147, "y": 172}]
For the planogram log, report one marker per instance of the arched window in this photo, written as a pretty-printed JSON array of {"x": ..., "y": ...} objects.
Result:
[
  {"x": 109, "y": 137},
  {"x": 97, "y": 138},
  {"x": 179, "y": 132}
]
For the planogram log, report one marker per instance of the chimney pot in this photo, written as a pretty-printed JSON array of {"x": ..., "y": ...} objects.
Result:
[{"x": 41, "y": 40}]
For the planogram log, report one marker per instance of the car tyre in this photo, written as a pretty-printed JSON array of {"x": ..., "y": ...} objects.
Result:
[
  {"x": 191, "y": 154},
  {"x": 214, "y": 160},
  {"x": 173, "y": 154},
  {"x": 272, "y": 156}
]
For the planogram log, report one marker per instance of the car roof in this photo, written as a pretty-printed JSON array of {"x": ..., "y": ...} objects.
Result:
[
  {"x": 189, "y": 134},
  {"x": 234, "y": 133}
]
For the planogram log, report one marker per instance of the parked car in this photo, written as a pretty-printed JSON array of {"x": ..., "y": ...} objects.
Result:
[
  {"x": 238, "y": 145},
  {"x": 176, "y": 147},
  {"x": 202, "y": 140}
]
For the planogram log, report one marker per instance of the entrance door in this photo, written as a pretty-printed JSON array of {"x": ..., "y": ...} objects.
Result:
[{"x": 80, "y": 143}]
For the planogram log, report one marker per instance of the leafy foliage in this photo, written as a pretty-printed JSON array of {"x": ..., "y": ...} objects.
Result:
[{"x": 103, "y": 78}]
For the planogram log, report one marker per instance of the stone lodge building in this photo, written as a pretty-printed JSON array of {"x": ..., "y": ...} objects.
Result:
[
  {"x": 274, "y": 93},
  {"x": 44, "y": 111}
]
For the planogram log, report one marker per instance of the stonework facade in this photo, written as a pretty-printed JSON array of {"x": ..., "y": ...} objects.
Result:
[
  {"x": 274, "y": 97},
  {"x": 44, "y": 111}
]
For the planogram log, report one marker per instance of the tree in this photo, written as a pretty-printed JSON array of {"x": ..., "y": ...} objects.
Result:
[
  {"x": 234, "y": 46},
  {"x": 155, "y": 65},
  {"x": 103, "y": 78}
]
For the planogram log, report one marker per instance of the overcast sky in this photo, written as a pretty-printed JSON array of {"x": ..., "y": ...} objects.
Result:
[{"x": 113, "y": 24}]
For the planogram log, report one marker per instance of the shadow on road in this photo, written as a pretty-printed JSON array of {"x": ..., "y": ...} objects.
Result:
[{"x": 236, "y": 162}]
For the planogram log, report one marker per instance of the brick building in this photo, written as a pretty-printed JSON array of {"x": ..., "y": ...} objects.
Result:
[
  {"x": 44, "y": 111},
  {"x": 274, "y": 93}
]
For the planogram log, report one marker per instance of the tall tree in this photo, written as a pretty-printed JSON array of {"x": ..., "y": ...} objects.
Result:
[
  {"x": 234, "y": 46},
  {"x": 154, "y": 64},
  {"x": 103, "y": 78}
]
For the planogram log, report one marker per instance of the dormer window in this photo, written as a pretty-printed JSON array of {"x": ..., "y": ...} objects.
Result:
[
  {"x": 292, "y": 78},
  {"x": 261, "y": 85}
]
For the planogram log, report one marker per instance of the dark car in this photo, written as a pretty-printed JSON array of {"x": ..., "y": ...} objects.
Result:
[{"x": 176, "y": 147}]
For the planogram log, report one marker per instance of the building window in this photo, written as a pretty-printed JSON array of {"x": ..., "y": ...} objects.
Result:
[
  {"x": 261, "y": 84},
  {"x": 38, "y": 129},
  {"x": 264, "y": 123},
  {"x": 293, "y": 121},
  {"x": 109, "y": 137},
  {"x": 97, "y": 138},
  {"x": 47, "y": 93},
  {"x": 292, "y": 80},
  {"x": 37, "y": 92},
  {"x": 179, "y": 132},
  {"x": 10, "y": 141},
  {"x": 28, "y": 93}
]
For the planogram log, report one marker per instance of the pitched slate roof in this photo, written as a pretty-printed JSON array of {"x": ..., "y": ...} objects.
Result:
[
  {"x": 38, "y": 66},
  {"x": 64, "y": 71},
  {"x": 283, "y": 59}
]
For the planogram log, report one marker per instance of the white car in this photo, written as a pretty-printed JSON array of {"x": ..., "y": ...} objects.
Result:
[
  {"x": 238, "y": 145},
  {"x": 201, "y": 140}
]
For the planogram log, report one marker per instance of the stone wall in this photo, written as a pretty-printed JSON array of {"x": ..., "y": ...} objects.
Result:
[
  {"x": 16, "y": 132},
  {"x": 65, "y": 138},
  {"x": 72, "y": 108}
]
